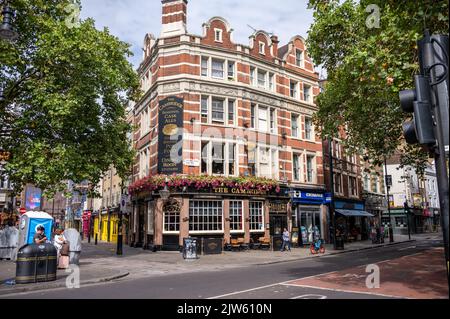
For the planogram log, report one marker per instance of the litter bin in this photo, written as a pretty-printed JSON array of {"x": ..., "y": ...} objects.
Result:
[
  {"x": 36, "y": 263},
  {"x": 339, "y": 243},
  {"x": 277, "y": 242}
]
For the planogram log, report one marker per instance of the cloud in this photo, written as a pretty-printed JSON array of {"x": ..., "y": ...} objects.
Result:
[{"x": 130, "y": 20}]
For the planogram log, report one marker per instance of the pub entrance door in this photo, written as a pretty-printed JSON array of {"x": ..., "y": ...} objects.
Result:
[{"x": 277, "y": 224}]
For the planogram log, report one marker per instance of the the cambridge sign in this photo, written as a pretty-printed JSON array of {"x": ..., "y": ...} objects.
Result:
[{"x": 170, "y": 135}]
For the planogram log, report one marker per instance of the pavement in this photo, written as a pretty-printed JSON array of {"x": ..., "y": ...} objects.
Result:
[{"x": 99, "y": 264}]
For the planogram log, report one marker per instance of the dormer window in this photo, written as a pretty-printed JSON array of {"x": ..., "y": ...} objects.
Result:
[
  {"x": 299, "y": 58},
  {"x": 218, "y": 35},
  {"x": 262, "y": 48}
]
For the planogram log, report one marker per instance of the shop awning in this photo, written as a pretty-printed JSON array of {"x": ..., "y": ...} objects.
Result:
[{"x": 347, "y": 212}]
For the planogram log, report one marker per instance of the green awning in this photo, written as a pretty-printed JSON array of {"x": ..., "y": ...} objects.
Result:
[{"x": 347, "y": 212}]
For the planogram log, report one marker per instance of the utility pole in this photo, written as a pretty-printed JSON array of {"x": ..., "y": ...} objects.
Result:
[
  {"x": 332, "y": 211},
  {"x": 430, "y": 127}
]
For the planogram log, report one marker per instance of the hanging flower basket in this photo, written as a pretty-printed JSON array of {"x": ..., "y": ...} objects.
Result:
[{"x": 202, "y": 182}]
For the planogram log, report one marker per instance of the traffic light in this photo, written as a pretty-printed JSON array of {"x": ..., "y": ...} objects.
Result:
[{"x": 418, "y": 101}]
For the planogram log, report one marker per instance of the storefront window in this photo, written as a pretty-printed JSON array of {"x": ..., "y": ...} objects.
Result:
[
  {"x": 310, "y": 225},
  {"x": 205, "y": 216},
  {"x": 256, "y": 216},
  {"x": 236, "y": 216}
]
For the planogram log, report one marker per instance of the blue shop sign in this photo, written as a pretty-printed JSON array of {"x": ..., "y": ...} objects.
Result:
[
  {"x": 348, "y": 205},
  {"x": 300, "y": 197}
]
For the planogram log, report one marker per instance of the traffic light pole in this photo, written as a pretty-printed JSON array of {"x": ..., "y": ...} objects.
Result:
[{"x": 440, "y": 105}]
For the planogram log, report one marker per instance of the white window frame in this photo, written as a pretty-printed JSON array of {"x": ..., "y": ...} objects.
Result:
[
  {"x": 202, "y": 68},
  {"x": 262, "y": 48},
  {"x": 224, "y": 110},
  {"x": 295, "y": 95},
  {"x": 302, "y": 58},
  {"x": 264, "y": 78},
  {"x": 230, "y": 216},
  {"x": 164, "y": 223},
  {"x": 313, "y": 168},
  {"x": 232, "y": 76},
  {"x": 341, "y": 183},
  {"x": 312, "y": 133},
  {"x": 350, "y": 186},
  {"x": 273, "y": 111},
  {"x": 226, "y": 104},
  {"x": 218, "y": 35},
  {"x": 297, "y": 121},
  {"x": 300, "y": 162},
  {"x": 251, "y": 215},
  {"x": 208, "y": 217},
  {"x": 307, "y": 97},
  {"x": 209, "y": 158},
  {"x": 271, "y": 81},
  {"x": 253, "y": 76},
  {"x": 221, "y": 61}
]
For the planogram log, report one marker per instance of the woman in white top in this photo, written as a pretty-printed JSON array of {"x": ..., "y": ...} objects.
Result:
[{"x": 59, "y": 240}]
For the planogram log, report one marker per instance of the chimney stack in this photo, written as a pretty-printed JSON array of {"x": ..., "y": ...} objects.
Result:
[{"x": 174, "y": 18}]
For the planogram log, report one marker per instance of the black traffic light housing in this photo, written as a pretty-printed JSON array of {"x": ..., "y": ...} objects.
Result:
[{"x": 418, "y": 101}]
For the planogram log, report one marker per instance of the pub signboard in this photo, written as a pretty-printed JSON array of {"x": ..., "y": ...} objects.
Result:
[{"x": 170, "y": 136}]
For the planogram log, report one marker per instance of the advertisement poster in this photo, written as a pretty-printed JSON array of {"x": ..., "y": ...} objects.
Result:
[
  {"x": 33, "y": 197},
  {"x": 304, "y": 234},
  {"x": 170, "y": 135},
  {"x": 294, "y": 237}
]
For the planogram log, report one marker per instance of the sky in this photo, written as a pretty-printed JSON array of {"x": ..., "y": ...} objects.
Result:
[{"x": 131, "y": 20}]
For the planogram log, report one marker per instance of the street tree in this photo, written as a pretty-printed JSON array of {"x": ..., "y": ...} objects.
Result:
[
  {"x": 369, "y": 50},
  {"x": 64, "y": 86}
]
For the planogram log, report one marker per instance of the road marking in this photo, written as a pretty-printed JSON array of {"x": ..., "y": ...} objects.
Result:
[
  {"x": 345, "y": 291},
  {"x": 406, "y": 248},
  {"x": 248, "y": 290},
  {"x": 310, "y": 297}
]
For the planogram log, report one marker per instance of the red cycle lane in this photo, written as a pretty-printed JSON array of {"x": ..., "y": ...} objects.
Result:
[{"x": 418, "y": 276}]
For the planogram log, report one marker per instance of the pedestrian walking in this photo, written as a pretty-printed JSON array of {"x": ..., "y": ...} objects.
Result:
[
  {"x": 62, "y": 248},
  {"x": 286, "y": 240}
]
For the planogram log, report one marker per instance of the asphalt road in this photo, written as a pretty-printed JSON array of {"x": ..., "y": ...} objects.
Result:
[{"x": 256, "y": 282}]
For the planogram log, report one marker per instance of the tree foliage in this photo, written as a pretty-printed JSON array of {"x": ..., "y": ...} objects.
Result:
[
  {"x": 367, "y": 67},
  {"x": 64, "y": 88}
]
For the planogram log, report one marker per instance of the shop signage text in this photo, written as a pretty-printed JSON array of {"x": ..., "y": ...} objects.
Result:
[
  {"x": 170, "y": 134},
  {"x": 226, "y": 190}
]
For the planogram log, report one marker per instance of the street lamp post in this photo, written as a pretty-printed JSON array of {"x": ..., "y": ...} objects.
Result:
[
  {"x": 388, "y": 186},
  {"x": 407, "y": 218},
  {"x": 7, "y": 31}
]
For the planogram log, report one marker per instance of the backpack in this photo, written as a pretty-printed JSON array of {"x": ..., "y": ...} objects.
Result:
[{"x": 65, "y": 249}]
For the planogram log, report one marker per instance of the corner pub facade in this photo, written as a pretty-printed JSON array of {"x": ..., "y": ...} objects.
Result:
[{"x": 227, "y": 129}]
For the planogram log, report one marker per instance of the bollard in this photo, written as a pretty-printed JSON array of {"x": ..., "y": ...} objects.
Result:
[{"x": 96, "y": 235}]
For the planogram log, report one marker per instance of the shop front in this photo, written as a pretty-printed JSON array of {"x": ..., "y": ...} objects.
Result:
[
  {"x": 352, "y": 221},
  {"x": 220, "y": 209},
  {"x": 310, "y": 215}
]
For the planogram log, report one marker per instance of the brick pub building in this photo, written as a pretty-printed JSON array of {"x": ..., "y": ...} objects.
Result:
[{"x": 239, "y": 119}]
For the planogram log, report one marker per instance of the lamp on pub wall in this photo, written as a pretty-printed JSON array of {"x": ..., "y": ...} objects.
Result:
[
  {"x": 7, "y": 31},
  {"x": 165, "y": 193}
]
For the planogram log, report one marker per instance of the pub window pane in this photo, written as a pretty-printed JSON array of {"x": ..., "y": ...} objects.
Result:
[
  {"x": 308, "y": 128},
  {"x": 252, "y": 115},
  {"x": 217, "y": 68},
  {"x": 204, "y": 151},
  {"x": 171, "y": 221},
  {"x": 256, "y": 216},
  {"x": 262, "y": 119},
  {"x": 218, "y": 152},
  {"x": 236, "y": 216},
  {"x": 294, "y": 125},
  {"x": 204, "y": 108},
  {"x": 230, "y": 69},
  {"x": 205, "y": 215},
  {"x": 204, "y": 66},
  {"x": 231, "y": 111},
  {"x": 218, "y": 110},
  {"x": 309, "y": 168},
  {"x": 296, "y": 162},
  {"x": 231, "y": 158},
  {"x": 262, "y": 79}
]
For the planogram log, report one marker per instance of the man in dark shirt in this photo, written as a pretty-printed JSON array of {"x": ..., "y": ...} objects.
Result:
[{"x": 39, "y": 237}]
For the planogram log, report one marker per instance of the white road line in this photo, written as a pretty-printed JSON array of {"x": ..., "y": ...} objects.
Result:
[
  {"x": 346, "y": 291},
  {"x": 406, "y": 248},
  {"x": 248, "y": 290}
]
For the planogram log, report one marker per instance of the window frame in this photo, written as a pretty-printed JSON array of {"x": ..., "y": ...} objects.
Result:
[
  {"x": 302, "y": 58},
  {"x": 220, "y": 33},
  {"x": 198, "y": 214},
  {"x": 262, "y": 48},
  {"x": 293, "y": 89},
  {"x": 297, "y": 170},
  {"x": 297, "y": 126},
  {"x": 236, "y": 219},
  {"x": 221, "y": 62},
  {"x": 255, "y": 218}
]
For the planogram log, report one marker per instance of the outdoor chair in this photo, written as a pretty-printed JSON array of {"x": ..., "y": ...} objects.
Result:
[
  {"x": 235, "y": 244},
  {"x": 264, "y": 242},
  {"x": 242, "y": 244}
]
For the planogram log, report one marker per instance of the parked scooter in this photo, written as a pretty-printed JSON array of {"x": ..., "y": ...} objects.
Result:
[{"x": 317, "y": 247}]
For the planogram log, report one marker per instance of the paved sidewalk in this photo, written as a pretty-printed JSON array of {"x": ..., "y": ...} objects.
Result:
[{"x": 100, "y": 263}]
